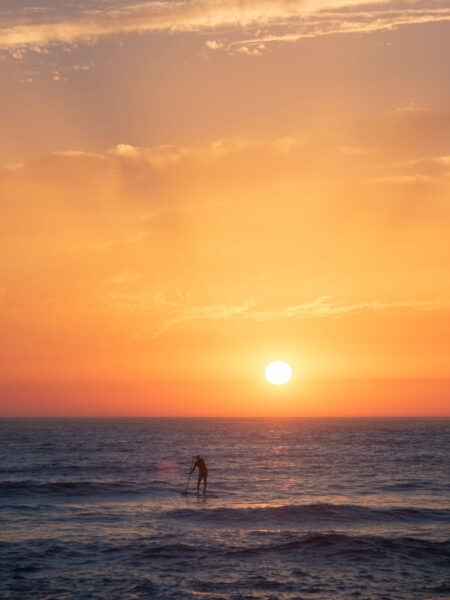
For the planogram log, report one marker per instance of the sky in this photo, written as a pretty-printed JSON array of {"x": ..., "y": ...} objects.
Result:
[{"x": 191, "y": 189}]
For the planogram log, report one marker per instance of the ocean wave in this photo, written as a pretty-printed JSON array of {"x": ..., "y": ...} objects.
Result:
[
  {"x": 349, "y": 546},
  {"x": 76, "y": 488},
  {"x": 405, "y": 485},
  {"x": 60, "y": 468},
  {"x": 312, "y": 544},
  {"x": 316, "y": 512}
]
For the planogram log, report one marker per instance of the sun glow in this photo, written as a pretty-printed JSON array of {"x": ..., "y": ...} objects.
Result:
[{"x": 278, "y": 372}]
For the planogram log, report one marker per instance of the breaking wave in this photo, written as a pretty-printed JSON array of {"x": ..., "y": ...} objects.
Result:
[{"x": 315, "y": 512}]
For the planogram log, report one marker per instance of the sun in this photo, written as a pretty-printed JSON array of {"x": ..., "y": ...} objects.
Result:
[{"x": 278, "y": 372}]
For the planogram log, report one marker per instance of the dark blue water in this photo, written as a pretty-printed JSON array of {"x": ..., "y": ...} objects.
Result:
[{"x": 303, "y": 508}]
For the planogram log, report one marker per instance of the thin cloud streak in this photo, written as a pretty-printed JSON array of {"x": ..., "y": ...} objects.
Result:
[
  {"x": 322, "y": 307},
  {"x": 368, "y": 23},
  {"x": 309, "y": 18}
]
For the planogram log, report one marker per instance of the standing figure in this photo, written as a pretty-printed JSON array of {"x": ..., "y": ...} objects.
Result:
[{"x": 202, "y": 473}]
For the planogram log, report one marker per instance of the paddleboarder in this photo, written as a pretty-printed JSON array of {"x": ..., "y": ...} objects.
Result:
[{"x": 202, "y": 473}]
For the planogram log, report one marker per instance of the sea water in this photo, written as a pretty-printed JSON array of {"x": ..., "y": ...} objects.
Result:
[{"x": 295, "y": 509}]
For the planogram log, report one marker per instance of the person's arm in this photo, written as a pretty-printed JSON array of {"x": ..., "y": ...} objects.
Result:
[{"x": 193, "y": 468}]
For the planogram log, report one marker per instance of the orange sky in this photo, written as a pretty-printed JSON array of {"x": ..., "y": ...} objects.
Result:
[{"x": 189, "y": 190}]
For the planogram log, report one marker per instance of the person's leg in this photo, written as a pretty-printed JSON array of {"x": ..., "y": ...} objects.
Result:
[
  {"x": 198, "y": 482},
  {"x": 205, "y": 482}
]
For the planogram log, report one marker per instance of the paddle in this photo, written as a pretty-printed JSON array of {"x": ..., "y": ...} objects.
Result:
[{"x": 189, "y": 477}]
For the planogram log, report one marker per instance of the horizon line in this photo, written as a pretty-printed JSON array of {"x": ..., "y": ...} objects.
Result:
[{"x": 4, "y": 417}]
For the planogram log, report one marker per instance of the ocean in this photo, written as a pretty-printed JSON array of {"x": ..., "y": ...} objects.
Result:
[{"x": 295, "y": 509}]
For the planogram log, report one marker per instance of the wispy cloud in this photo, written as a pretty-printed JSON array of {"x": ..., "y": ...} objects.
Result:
[
  {"x": 416, "y": 179},
  {"x": 166, "y": 155},
  {"x": 326, "y": 23},
  {"x": 282, "y": 20},
  {"x": 322, "y": 307}
]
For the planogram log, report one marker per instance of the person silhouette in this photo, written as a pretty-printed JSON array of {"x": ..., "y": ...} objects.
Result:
[{"x": 202, "y": 473}]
